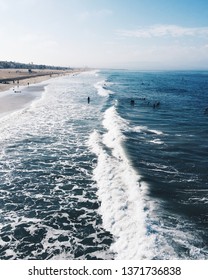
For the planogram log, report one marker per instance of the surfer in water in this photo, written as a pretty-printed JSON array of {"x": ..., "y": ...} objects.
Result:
[
  {"x": 88, "y": 99},
  {"x": 132, "y": 102}
]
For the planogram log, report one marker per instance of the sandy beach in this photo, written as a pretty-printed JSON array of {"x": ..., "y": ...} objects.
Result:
[{"x": 14, "y": 79}]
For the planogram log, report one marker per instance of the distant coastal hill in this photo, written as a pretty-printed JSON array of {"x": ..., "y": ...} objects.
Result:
[{"x": 18, "y": 65}]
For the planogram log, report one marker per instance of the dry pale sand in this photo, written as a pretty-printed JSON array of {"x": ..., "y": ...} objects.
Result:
[
  {"x": 22, "y": 77},
  {"x": 19, "y": 97}
]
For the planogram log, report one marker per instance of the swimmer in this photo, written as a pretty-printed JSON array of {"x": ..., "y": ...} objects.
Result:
[
  {"x": 156, "y": 105},
  {"x": 132, "y": 102}
]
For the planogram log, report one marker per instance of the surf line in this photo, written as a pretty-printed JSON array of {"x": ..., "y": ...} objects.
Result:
[{"x": 119, "y": 190}]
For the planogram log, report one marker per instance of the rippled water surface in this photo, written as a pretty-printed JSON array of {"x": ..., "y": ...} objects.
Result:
[{"x": 109, "y": 179}]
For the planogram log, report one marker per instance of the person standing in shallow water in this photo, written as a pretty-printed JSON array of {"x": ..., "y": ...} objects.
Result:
[{"x": 88, "y": 99}]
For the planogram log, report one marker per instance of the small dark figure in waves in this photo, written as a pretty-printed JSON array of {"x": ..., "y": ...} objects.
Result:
[
  {"x": 88, "y": 99},
  {"x": 156, "y": 105},
  {"x": 132, "y": 102}
]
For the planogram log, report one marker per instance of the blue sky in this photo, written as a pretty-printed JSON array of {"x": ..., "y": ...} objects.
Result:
[{"x": 135, "y": 34}]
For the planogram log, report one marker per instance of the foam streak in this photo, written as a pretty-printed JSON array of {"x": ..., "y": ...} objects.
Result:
[{"x": 120, "y": 192}]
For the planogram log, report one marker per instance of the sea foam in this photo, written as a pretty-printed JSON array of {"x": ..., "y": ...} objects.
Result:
[
  {"x": 121, "y": 194},
  {"x": 102, "y": 88}
]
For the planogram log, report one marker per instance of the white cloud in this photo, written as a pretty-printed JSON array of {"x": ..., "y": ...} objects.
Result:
[{"x": 164, "y": 31}]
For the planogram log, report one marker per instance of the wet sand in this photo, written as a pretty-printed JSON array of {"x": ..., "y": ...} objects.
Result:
[{"x": 22, "y": 88}]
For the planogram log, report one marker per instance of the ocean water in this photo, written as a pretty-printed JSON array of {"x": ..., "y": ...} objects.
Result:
[{"x": 122, "y": 177}]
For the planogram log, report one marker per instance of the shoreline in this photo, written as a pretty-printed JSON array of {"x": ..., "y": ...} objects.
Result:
[
  {"x": 24, "y": 86},
  {"x": 10, "y": 78}
]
